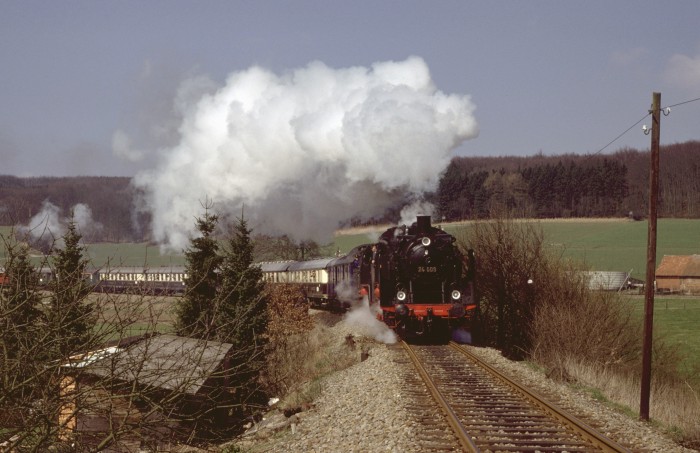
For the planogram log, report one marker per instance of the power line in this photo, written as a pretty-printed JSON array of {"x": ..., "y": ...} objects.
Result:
[
  {"x": 618, "y": 137},
  {"x": 642, "y": 119},
  {"x": 681, "y": 103}
]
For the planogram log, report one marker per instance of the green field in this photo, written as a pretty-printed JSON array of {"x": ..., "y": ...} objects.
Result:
[
  {"x": 126, "y": 254},
  {"x": 677, "y": 323},
  {"x": 603, "y": 244}
]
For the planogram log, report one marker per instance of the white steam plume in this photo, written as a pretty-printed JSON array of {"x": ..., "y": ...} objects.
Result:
[
  {"x": 416, "y": 208},
  {"x": 46, "y": 224},
  {"x": 364, "y": 318},
  {"x": 306, "y": 149},
  {"x": 49, "y": 225},
  {"x": 82, "y": 216}
]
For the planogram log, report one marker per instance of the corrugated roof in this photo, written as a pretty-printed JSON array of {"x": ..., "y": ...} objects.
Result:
[
  {"x": 165, "y": 361},
  {"x": 679, "y": 266},
  {"x": 606, "y": 280}
]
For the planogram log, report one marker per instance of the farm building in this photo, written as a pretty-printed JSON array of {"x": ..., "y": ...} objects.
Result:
[
  {"x": 151, "y": 391},
  {"x": 679, "y": 274},
  {"x": 607, "y": 280}
]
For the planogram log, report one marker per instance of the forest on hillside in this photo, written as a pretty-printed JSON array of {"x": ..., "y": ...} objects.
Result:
[
  {"x": 570, "y": 185},
  {"x": 603, "y": 185}
]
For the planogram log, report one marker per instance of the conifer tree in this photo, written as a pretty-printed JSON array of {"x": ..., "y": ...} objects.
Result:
[
  {"x": 242, "y": 315},
  {"x": 196, "y": 309},
  {"x": 71, "y": 315},
  {"x": 20, "y": 319}
]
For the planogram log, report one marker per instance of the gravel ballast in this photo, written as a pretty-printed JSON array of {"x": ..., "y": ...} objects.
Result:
[{"x": 362, "y": 409}]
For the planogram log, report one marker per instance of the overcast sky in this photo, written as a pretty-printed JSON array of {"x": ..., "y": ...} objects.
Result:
[{"x": 90, "y": 87}]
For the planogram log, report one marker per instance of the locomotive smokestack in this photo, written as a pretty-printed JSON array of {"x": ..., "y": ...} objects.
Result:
[{"x": 422, "y": 224}]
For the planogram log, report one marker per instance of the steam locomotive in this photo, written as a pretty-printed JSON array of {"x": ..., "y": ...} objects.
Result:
[{"x": 415, "y": 278}]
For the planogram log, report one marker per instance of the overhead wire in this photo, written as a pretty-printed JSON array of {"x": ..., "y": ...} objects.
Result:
[
  {"x": 618, "y": 137},
  {"x": 641, "y": 119},
  {"x": 681, "y": 103}
]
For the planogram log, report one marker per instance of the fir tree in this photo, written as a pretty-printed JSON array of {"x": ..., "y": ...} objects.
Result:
[
  {"x": 196, "y": 309},
  {"x": 20, "y": 319},
  {"x": 71, "y": 315},
  {"x": 242, "y": 315}
]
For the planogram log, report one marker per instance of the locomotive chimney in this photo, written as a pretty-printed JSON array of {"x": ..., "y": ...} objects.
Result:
[{"x": 422, "y": 224}]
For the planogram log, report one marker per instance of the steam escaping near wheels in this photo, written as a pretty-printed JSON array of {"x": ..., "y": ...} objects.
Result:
[
  {"x": 306, "y": 149},
  {"x": 364, "y": 318}
]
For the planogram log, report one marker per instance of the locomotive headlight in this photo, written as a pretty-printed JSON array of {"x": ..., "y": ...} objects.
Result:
[
  {"x": 401, "y": 295},
  {"x": 425, "y": 242},
  {"x": 456, "y": 295}
]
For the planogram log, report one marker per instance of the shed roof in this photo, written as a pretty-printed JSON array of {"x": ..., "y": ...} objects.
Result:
[
  {"x": 606, "y": 280},
  {"x": 679, "y": 266},
  {"x": 167, "y": 362}
]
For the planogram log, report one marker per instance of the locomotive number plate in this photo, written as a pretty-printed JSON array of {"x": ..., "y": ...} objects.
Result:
[{"x": 427, "y": 268}]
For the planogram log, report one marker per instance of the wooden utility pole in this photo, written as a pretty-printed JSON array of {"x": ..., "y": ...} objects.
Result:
[{"x": 649, "y": 286}]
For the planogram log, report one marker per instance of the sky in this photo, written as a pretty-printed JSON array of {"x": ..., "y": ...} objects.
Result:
[
  {"x": 545, "y": 76},
  {"x": 228, "y": 101}
]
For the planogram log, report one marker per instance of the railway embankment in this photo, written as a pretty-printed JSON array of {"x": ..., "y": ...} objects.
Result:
[{"x": 364, "y": 408}]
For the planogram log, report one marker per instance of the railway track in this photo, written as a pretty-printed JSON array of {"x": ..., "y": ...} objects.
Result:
[{"x": 487, "y": 411}]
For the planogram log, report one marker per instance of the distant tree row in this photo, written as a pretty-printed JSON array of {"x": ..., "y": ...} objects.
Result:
[
  {"x": 471, "y": 187},
  {"x": 110, "y": 200},
  {"x": 571, "y": 185}
]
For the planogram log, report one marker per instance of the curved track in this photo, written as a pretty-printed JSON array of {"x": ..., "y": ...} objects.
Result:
[{"x": 487, "y": 411}]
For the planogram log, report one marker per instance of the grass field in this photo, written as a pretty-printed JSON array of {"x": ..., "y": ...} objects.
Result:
[
  {"x": 676, "y": 322},
  {"x": 603, "y": 244},
  {"x": 126, "y": 254}
]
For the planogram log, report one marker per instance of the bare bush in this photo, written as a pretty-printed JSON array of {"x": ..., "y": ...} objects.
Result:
[
  {"x": 300, "y": 352},
  {"x": 536, "y": 305},
  {"x": 512, "y": 269}
]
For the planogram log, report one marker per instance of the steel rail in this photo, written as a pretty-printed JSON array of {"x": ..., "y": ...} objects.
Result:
[
  {"x": 604, "y": 443},
  {"x": 460, "y": 431}
]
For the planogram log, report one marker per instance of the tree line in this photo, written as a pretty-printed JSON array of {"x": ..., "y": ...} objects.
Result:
[
  {"x": 570, "y": 185},
  {"x": 470, "y": 188}
]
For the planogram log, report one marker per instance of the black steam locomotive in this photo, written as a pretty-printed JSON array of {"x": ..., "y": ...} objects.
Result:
[
  {"x": 424, "y": 286},
  {"x": 415, "y": 278}
]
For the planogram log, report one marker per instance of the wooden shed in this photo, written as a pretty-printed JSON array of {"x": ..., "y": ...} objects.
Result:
[
  {"x": 154, "y": 392},
  {"x": 679, "y": 274}
]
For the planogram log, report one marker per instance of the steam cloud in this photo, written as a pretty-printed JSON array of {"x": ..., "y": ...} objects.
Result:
[
  {"x": 306, "y": 149},
  {"x": 48, "y": 225},
  {"x": 364, "y": 318}
]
